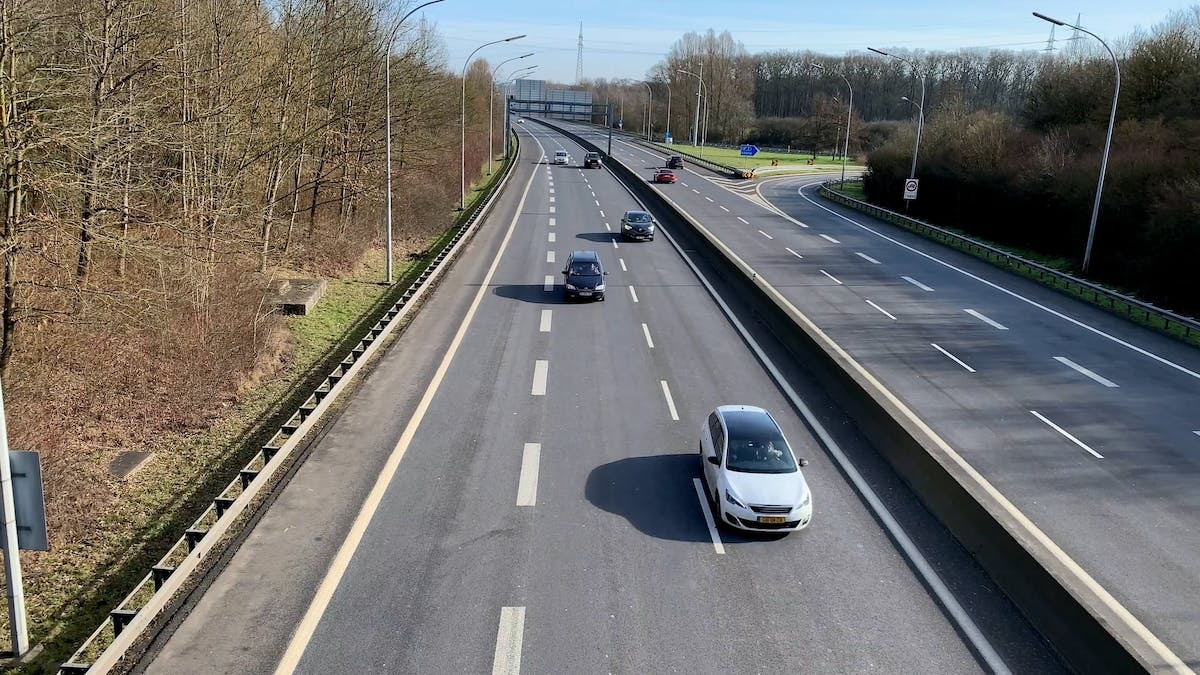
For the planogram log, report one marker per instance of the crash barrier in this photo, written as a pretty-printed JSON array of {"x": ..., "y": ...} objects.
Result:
[
  {"x": 1165, "y": 320},
  {"x": 117, "y": 642},
  {"x": 730, "y": 171},
  {"x": 1084, "y": 625}
]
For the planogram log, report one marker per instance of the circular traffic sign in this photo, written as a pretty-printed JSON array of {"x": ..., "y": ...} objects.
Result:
[{"x": 910, "y": 185}]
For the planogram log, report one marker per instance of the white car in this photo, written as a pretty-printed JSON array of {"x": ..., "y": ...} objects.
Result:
[
  {"x": 751, "y": 473},
  {"x": 561, "y": 157}
]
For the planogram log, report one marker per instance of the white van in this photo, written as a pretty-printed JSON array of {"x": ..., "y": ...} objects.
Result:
[{"x": 561, "y": 157}]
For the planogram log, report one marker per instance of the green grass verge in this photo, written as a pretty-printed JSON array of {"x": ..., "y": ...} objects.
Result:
[
  {"x": 188, "y": 470},
  {"x": 1066, "y": 265},
  {"x": 733, "y": 157}
]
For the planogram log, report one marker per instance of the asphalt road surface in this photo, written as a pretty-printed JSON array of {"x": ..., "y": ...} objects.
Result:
[
  {"x": 513, "y": 489},
  {"x": 1089, "y": 423}
]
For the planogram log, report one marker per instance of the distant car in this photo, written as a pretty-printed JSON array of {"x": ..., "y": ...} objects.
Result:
[
  {"x": 584, "y": 276},
  {"x": 637, "y": 225},
  {"x": 674, "y": 162},
  {"x": 561, "y": 157},
  {"x": 751, "y": 473},
  {"x": 591, "y": 160},
  {"x": 664, "y": 176},
  {"x": 520, "y": 120}
]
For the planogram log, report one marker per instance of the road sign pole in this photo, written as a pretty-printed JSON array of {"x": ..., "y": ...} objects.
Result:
[{"x": 12, "y": 557}]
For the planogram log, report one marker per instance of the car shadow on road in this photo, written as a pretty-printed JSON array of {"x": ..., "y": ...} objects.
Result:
[
  {"x": 602, "y": 237},
  {"x": 654, "y": 493},
  {"x": 531, "y": 293}
]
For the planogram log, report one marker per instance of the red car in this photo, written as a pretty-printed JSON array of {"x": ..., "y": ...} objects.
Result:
[{"x": 664, "y": 176}]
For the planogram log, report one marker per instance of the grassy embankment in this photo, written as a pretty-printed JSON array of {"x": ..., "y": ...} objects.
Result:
[
  {"x": 186, "y": 471},
  {"x": 788, "y": 162}
]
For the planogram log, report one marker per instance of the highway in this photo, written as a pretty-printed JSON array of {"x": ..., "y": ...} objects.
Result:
[
  {"x": 1089, "y": 423},
  {"x": 513, "y": 489}
]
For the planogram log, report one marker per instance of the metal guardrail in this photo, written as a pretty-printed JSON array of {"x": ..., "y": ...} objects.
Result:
[
  {"x": 1123, "y": 305},
  {"x": 142, "y": 606}
]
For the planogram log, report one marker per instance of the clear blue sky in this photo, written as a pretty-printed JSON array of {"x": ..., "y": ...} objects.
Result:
[{"x": 623, "y": 38}]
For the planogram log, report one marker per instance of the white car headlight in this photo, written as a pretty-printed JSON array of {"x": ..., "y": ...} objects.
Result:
[
  {"x": 806, "y": 501},
  {"x": 570, "y": 287},
  {"x": 599, "y": 287},
  {"x": 733, "y": 500},
  {"x": 627, "y": 226}
]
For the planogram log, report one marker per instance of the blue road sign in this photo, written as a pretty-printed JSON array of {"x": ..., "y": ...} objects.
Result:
[{"x": 749, "y": 150}]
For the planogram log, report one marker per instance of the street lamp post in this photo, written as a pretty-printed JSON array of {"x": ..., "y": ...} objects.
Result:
[
  {"x": 649, "y": 110},
  {"x": 920, "y": 107},
  {"x": 463, "y": 144},
  {"x": 668, "y": 85},
  {"x": 849, "y": 114},
  {"x": 512, "y": 77},
  {"x": 1112, "y": 118},
  {"x": 491, "y": 99},
  {"x": 387, "y": 87},
  {"x": 696, "y": 119}
]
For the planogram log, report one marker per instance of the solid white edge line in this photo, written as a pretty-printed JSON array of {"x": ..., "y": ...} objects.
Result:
[
  {"x": 939, "y": 589},
  {"x": 885, "y": 312},
  {"x": 953, "y": 358},
  {"x": 765, "y": 234},
  {"x": 527, "y": 485},
  {"x": 670, "y": 401},
  {"x": 646, "y": 332},
  {"x": 793, "y": 253},
  {"x": 1084, "y": 371},
  {"x": 541, "y": 370},
  {"x": 829, "y": 238},
  {"x": 916, "y": 283},
  {"x": 545, "y": 323},
  {"x": 835, "y": 279},
  {"x": 507, "y": 658},
  {"x": 1014, "y": 294},
  {"x": 708, "y": 517},
  {"x": 868, "y": 258},
  {"x": 979, "y": 315},
  {"x": 1066, "y": 433},
  {"x": 633, "y": 293},
  {"x": 323, "y": 594},
  {"x": 548, "y": 283}
]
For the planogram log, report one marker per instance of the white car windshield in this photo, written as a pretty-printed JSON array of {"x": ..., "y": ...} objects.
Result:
[{"x": 756, "y": 445}]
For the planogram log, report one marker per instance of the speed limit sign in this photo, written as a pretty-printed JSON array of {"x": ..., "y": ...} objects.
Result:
[{"x": 910, "y": 188}]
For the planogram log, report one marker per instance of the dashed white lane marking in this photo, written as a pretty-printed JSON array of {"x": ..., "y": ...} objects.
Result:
[
  {"x": 602, "y": 214},
  {"x": 670, "y": 401},
  {"x": 593, "y": 194},
  {"x": 708, "y": 517},
  {"x": 916, "y": 283},
  {"x": 793, "y": 252},
  {"x": 986, "y": 320},
  {"x": 1064, "y": 432},
  {"x": 552, "y": 209},
  {"x": 709, "y": 198},
  {"x": 552, "y": 200},
  {"x": 835, "y": 279},
  {"x": 765, "y": 234},
  {"x": 551, "y": 190},
  {"x": 622, "y": 261},
  {"x": 683, "y": 184},
  {"x": 551, "y": 222},
  {"x": 695, "y": 190},
  {"x": 597, "y": 202},
  {"x": 633, "y": 294},
  {"x": 546, "y": 319},
  {"x": 646, "y": 332},
  {"x": 829, "y": 238},
  {"x": 527, "y": 485},
  {"x": 884, "y": 311},
  {"x": 548, "y": 285},
  {"x": 615, "y": 245},
  {"x": 866, "y": 257},
  {"x": 507, "y": 659},
  {"x": 550, "y": 236},
  {"x": 1080, "y": 369},
  {"x": 1196, "y": 432},
  {"x": 541, "y": 368},
  {"x": 953, "y": 358},
  {"x": 743, "y": 220},
  {"x": 723, "y": 208},
  {"x": 549, "y": 256}
]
